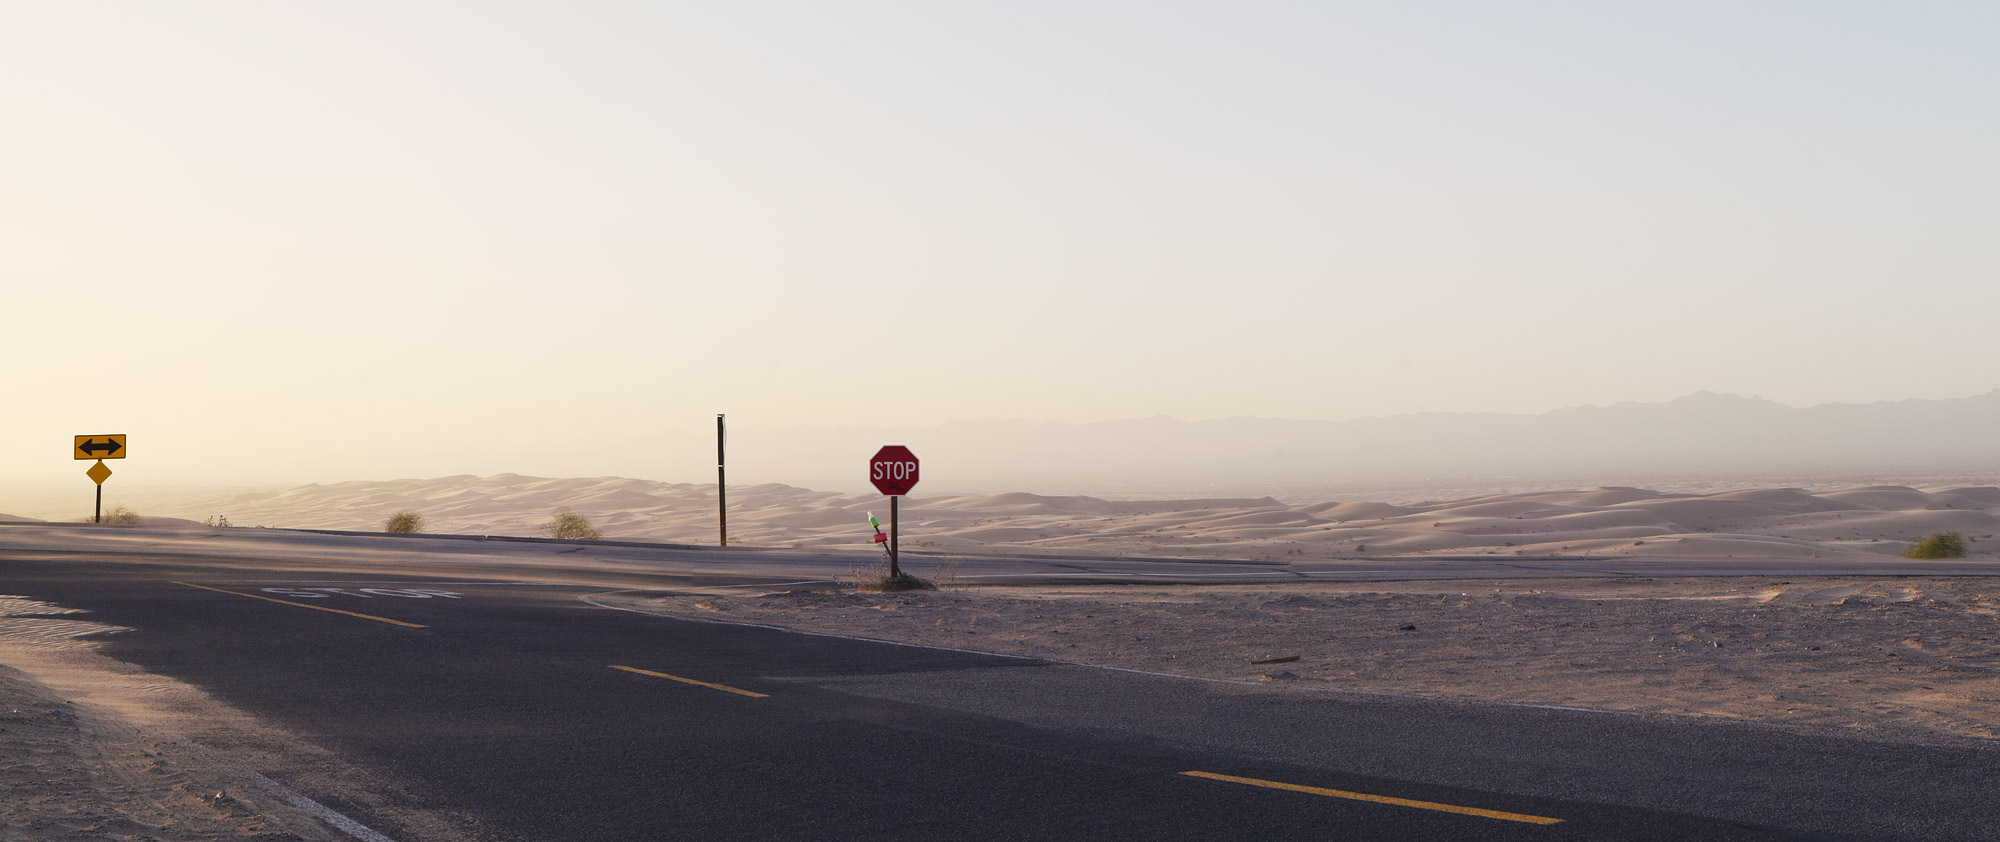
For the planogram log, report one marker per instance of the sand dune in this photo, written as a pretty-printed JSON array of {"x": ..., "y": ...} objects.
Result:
[
  {"x": 1884, "y": 497},
  {"x": 1355, "y": 511},
  {"x": 1620, "y": 521},
  {"x": 1981, "y": 496}
]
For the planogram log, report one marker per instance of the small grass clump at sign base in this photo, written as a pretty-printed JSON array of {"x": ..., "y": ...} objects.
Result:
[
  {"x": 877, "y": 580},
  {"x": 121, "y": 514},
  {"x": 1941, "y": 545},
  {"x": 405, "y": 523}
]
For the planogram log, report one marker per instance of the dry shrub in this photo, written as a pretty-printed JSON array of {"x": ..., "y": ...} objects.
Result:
[
  {"x": 570, "y": 526},
  {"x": 1941, "y": 545},
  {"x": 405, "y": 522}
]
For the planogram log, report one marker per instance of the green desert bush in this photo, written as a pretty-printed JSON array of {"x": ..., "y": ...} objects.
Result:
[
  {"x": 121, "y": 514},
  {"x": 405, "y": 522},
  {"x": 1941, "y": 545},
  {"x": 571, "y": 526}
]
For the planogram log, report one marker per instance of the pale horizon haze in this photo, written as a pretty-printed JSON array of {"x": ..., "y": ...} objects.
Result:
[{"x": 294, "y": 242}]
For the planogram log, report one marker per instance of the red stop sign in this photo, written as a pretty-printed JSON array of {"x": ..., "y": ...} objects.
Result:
[{"x": 893, "y": 470}]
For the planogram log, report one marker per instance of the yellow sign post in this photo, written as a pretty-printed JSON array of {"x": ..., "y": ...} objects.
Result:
[
  {"x": 98, "y": 472},
  {"x": 100, "y": 447}
]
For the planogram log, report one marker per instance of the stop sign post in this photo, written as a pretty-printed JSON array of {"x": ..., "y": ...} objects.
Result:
[{"x": 893, "y": 470}]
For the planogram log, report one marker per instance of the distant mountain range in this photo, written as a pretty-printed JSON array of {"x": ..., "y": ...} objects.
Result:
[{"x": 1702, "y": 434}]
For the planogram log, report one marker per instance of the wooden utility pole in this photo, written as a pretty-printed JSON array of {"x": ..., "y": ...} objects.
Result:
[{"x": 721, "y": 487}]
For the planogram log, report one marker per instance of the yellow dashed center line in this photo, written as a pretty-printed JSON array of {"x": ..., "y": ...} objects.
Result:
[
  {"x": 1380, "y": 799},
  {"x": 723, "y": 687},
  {"x": 303, "y": 605}
]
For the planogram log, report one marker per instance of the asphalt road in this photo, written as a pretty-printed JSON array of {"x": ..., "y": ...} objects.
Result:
[{"x": 478, "y": 692}]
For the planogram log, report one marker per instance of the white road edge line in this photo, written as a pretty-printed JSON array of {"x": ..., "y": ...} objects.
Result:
[
  {"x": 774, "y": 584},
  {"x": 319, "y": 811},
  {"x": 1115, "y": 575},
  {"x": 398, "y": 582},
  {"x": 1338, "y": 691}
]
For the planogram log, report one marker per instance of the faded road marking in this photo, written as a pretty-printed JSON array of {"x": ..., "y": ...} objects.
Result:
[
  {"x": 723, "y": 687},
  {"x": 303, "y": 605},
  {"x": 1380, "y": 799}
]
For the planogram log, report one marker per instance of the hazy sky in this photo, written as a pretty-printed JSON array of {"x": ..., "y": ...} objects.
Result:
[{"x": 354, "y": 240}]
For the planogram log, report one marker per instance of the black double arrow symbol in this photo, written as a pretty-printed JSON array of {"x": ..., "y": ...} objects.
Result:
[{"x": 93, "y": 446}]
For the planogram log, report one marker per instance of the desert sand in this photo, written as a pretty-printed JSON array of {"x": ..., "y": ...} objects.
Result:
[
  {"x": 97, "y": 750},
  {"x": 1894, "y": 659},
  {"x": 1769, "y": 523}
]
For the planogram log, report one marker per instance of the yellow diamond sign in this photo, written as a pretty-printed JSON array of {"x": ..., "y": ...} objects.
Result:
[{"x": 99, "y": 473}]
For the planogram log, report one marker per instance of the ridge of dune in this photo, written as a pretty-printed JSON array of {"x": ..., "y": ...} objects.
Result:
[
  {"x": 1356, "y": 511},
  {"x": 1884, "y": 497},
  {"x": 1586, "y": 497},
  {"x": 1502, "y": 507},
  {"x": 1025, "y": 503},
  {"x": 1782, "y": 497}
]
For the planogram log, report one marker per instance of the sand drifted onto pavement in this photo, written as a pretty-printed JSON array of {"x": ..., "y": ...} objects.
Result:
[
  {"x": 1883, "y": 658},
  {"x": 92, "y": 748},
  {"x": 82, "y": 755}
]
